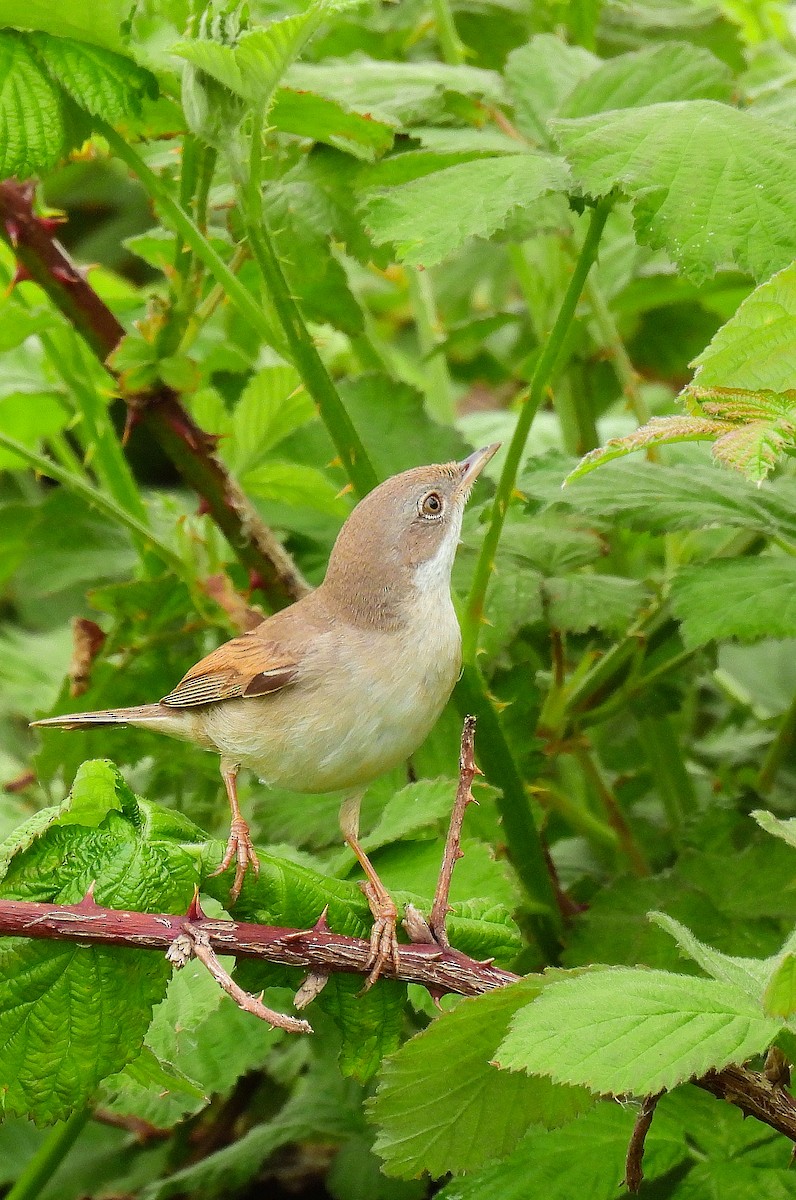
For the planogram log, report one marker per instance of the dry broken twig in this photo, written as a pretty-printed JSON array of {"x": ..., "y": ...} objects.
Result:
[{"x": 453, "y": 852}]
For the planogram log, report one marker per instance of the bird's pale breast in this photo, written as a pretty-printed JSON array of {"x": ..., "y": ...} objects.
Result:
[{"x": 365, "y": 700}]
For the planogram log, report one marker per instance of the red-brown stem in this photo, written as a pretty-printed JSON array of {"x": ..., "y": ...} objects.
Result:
[
  {"x": 443, "y": 969},
  {"x": 190, "y": 449},
  {"x": 634, "y": 1161},
  {"x": 452, "y": 853}
]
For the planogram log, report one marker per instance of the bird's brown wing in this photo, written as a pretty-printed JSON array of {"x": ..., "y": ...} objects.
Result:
[{"x": 245, "y": 666}]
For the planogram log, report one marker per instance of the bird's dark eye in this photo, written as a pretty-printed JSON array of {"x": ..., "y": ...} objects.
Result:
[{"x": 431, "y": 506}]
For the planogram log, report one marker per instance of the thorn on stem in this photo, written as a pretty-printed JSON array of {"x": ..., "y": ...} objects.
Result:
[{"x": 195, "y": 911}]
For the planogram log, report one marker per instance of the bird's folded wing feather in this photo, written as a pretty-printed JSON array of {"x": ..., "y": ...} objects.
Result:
[{"x": 245, "y": 666}]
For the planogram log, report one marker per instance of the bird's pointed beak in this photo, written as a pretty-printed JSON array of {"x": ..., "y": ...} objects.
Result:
[{"x": 472, "y": 466}]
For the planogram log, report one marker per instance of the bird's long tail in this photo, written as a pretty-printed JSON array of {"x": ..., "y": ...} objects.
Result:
[{"x": 150, "y": 716}]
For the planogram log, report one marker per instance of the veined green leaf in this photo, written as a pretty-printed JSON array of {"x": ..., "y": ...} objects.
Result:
[
  {"x": 779, "y": 998},
  {"x": 540, "y": 76},
  {"x": 622, "y": 1030},
  {"x": 32, "y": 128},
  {"x": 272, "y": 405},
  {"x": 756, "y": 349},
  {"x": 748, "y": 975},
  {"x": 709, "y": 184},
  {"x": 654, "y": 75},
  {"x": 585, "y": 1158},
  {"x": 429, "y": 1121},
  {"x": 83, "y": 19},
  {"x": 432, "y": 217},
  {"x": 105, "y": 84},
  {"x": 776, "y": 826},
  {"x": 329, "y": 121},
  {"x": 747, "y": 598},
  {"x": 295, "y": 484}
]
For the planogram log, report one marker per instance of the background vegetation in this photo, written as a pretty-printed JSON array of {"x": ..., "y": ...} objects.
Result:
[{"x": 342, "y": 240}]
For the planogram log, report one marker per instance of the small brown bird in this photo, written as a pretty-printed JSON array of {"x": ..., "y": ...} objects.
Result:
[{"x": 344, "y": 684}]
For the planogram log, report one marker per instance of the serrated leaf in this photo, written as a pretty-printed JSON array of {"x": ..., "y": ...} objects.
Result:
[
  {"x": 32, "y": 128},
  {"x": 709, "y": 184},
  {"x": 324, "y": 120},
  {"x": 658, "y": 431},
  {"x": 776, "y": 826},
  {"x": 60, "y": 1006},
  {"x": 654, "y": 75},
  {"x": 579, "y": 602},
  {"x": 432, "y": 217},
  {"x": 410, "y": 810},
  {"x": 642, "y": 495},
  {"x": 755, "y": 350},
  {"x": 585, "y": 1158},
  {"x": 297, "y": 485},
  {"x": 253, "y": 68},
  {"x": 401, "y": 92},
  {"x": 635, "y": 1031},
  {"x": 105, "y": 84},
  {"x": 60, "y": 1026},
  {"x": 272, "y": 405},
  {"x": 370, "y": 1024},
  {"x": 748, "y": 975},
  {"x": 430, "y": 1122},
  {"x": 540, "y": 76},
  {"x": 399, "y": 434},
  {"x": 747, "y": 598}
]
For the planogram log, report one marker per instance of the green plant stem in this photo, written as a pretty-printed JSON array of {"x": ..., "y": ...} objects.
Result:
[
  {"x": 612, "y": 340},
  {"x": 452, "y": 47},
  {"x": 58, "y": 1142},
  {"x": 99, "y": 501},
  {"x": 613, "y": 810},
  {"x": 665, "y": 761},
  {"x": 579, "y": 819},
  {"x": 439, "y": 392},
  {"x": 524, "y": 844},
  {"x": 778, "y": 751},
  {"x": 541, "y": 376},
  {"x": 302, "y": 348},
  {"x": 178, "y": 218}
]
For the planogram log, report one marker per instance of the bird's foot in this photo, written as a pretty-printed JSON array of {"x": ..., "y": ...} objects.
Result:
[
  {"x": 241, "y": 850},
  {"x": 383, "y": 938}
]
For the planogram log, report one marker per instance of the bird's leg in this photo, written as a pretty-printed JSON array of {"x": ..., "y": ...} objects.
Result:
[
  {"x": 239, "y": 845},
  {"x": 383, "y": 939}
]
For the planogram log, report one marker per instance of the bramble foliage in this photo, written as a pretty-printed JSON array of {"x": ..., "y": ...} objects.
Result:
[{"x": 350, "y": 238}]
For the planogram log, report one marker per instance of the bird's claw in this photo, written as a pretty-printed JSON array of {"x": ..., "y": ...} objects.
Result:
[
  {"x": 383, "y": 937},
  {"x": 241, "y": 850}
]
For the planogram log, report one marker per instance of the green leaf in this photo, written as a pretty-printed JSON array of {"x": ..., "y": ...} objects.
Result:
[
  {"x": 429, "y": 1121},
  {"x": 100, "y": 24},
  {"x": 253, "y": 68},
  {"x": 654, "y": 75},
  {"x": 620, "y": 1030},
  {"x": 643, "y": 495},
  {"x": 399, "y": 434},
  {"x": 433, "y": 217},
  {"x": 747, "y": 598},
  {"x": 776, "y": 826},
  {"x": 60, "y": 1020},
  {"x": 403, "y": 92},
  {"x": 585, "y": 1158},
  {"x": 272, "y": 405},
  {"x": 60, "y": 1006},
  {"x": 755, "y": 350},
  {"x": 540, "y": 76},
  {"x": 105, "y": 84},
  {"x": 30, "y": 417},
  {"x": 370, "y": 1024},
  {"x": 748, "y": 975},
  {"x": 295, "y": 484},
  {"x": 779, "y": 998},
  {"x": 329, "y": 121},
  {"x": 709, "y": 184},
  {"x": 32, "y": 128},
  {"x": 579, "y": 602},
  {"x": 418, "y": 806}
]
